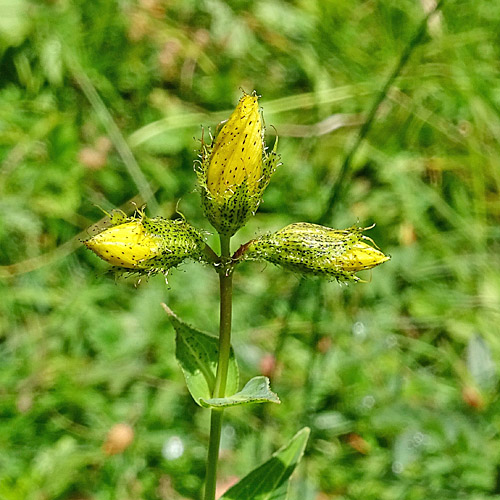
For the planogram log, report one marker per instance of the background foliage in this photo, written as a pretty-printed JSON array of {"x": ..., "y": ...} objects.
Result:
[{"x": 397, "y": 378}]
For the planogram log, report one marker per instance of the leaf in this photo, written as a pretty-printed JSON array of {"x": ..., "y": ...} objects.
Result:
[
  {"x": 480, "y": 363},
  {"x": 197, "y": 353},
  {"x": 256, "y": 390},
  {"x": 270, "y": 480}
]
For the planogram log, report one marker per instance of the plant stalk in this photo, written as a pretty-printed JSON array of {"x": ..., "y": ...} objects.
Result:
[{"x": 226, "y": 300}]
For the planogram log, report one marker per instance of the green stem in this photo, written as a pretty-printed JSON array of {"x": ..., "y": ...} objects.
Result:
[
  {"x": 213, "y": 454},
  {"x": 226, "y": 299}
]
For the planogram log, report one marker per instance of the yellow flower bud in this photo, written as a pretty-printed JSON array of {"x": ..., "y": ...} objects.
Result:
[
  {"x": 127, "y": 245},
  {"x": 237, "y": 151},
  {"x": 235, "y": 169},
  {"x": 317, "y": 250},
  {"x": 147, "y": 245}
]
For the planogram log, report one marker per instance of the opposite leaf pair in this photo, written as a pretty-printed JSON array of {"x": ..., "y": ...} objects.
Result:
[{"x": 197, "y": 354}]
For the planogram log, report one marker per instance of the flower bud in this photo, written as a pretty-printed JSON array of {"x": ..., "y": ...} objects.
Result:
[
  {"x": 141, "y": 244},
  {"x": 237, "y": 151},
  {"x": 235, "y": 169},
  {"x": 317, "y": 250}
]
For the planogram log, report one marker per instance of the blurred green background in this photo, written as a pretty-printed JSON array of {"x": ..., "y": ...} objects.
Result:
[{"x": 397, "y": 377}]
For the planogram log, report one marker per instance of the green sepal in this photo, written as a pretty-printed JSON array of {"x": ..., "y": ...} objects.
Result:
[
  {"x": 146, "y": 246},
  {"x": 197, "y": 354},
  {"x": 270, "y": 480},
  {"x": 256, "y": 390},
  {"x": 229, "y": 215}
]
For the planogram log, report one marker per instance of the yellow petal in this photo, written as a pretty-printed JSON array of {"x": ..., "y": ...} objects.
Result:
[
  {"x": 126, "y": 245},
  {"x": 237, "y": 152},
  {"x": 362, "y": 256}
]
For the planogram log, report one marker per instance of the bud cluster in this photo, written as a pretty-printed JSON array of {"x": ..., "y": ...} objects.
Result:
[{"x": 233, "y": 172}]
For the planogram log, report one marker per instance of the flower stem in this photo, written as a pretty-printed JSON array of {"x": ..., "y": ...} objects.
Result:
[
  {"x": 213, "y": 454},
  {"x": 226, "y": 298}
]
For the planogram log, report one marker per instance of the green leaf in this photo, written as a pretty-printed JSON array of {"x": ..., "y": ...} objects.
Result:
[
  {"x": 197, "y": 353},
  {"x": 270, "y": 480},
  {"x": 256, "y": 390}
]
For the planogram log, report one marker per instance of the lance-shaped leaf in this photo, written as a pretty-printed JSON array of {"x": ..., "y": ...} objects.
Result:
[
  {"x": 197, "y": 353},
  {"x": 270, "y": 480},
  {"x": 256, "y": 390}
]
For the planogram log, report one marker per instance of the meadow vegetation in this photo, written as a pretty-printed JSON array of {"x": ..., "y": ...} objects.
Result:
[{"x": 102, "y": 103}]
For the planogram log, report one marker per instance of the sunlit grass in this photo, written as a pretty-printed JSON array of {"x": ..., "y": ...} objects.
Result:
[{"x": 386, "y": 363}]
